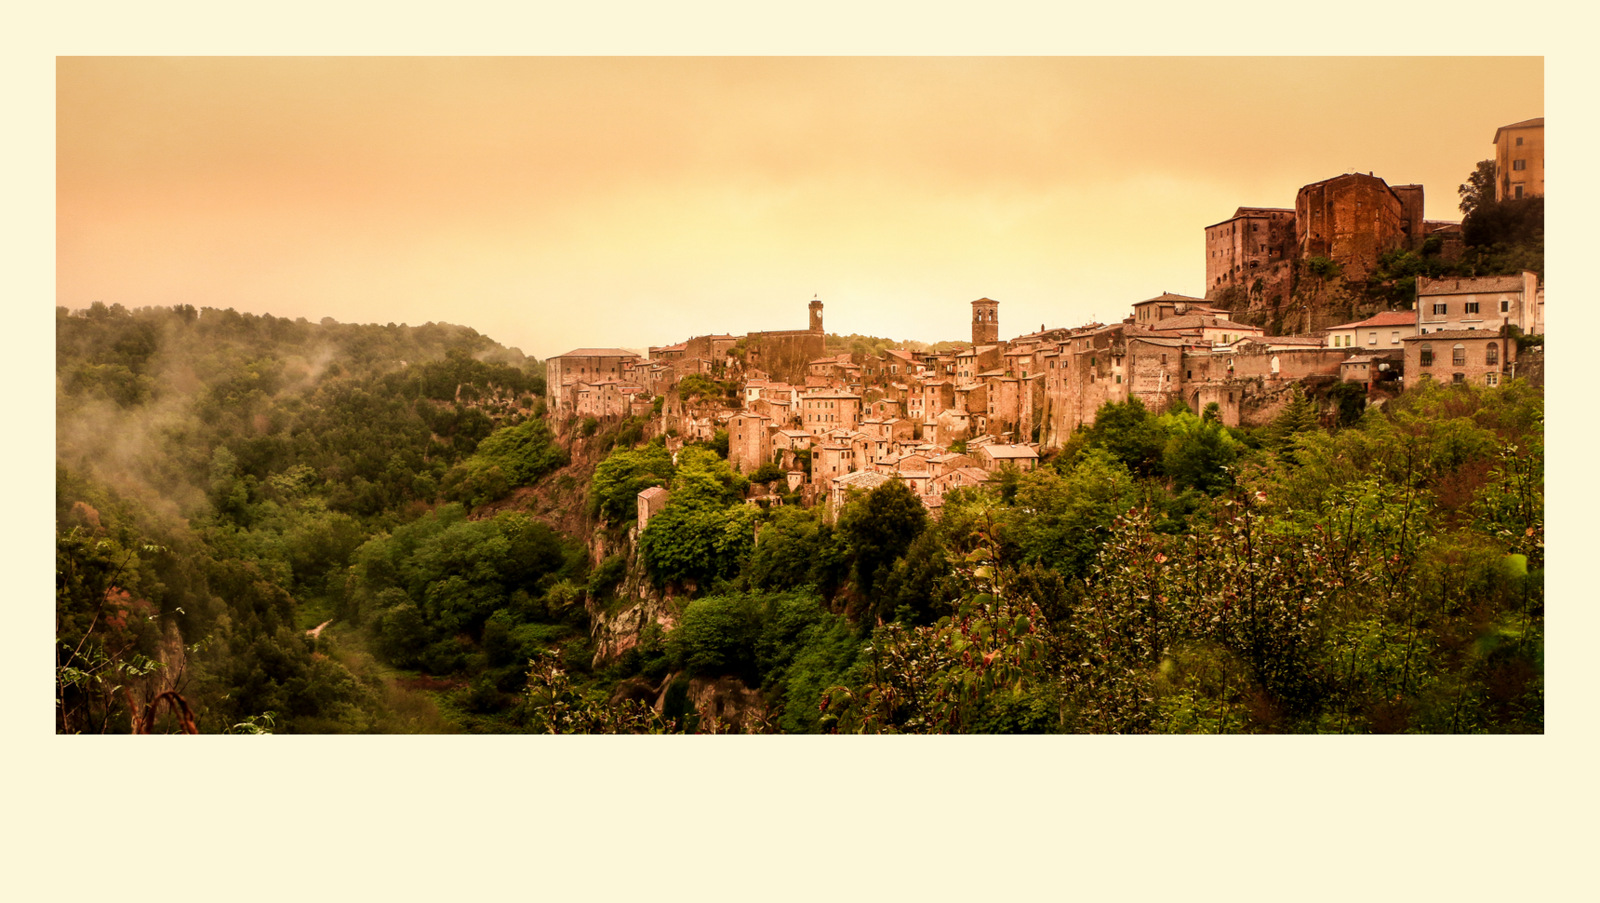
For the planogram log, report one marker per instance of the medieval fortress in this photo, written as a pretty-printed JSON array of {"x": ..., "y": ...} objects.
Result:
[{"x": 939, "y": 421}]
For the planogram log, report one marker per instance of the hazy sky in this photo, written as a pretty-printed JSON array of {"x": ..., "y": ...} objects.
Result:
[{"x": 553, "y": 203}]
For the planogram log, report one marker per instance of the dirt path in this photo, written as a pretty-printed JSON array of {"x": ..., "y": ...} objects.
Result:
[{"x": 317, "y": 630}]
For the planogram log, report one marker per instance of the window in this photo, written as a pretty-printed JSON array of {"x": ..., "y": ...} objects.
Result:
[
  {"x": 1492, "y": 379},
  {"x": 1519, "y": 142},
  {"x": 1491, "y": 355},
  {"x": 1519, "y": 191},
  {"x": 1519, "y": 165},
  {"x": 1426, "y": 355},
  {"x": 1372, "y": 338},
  {"x": 1441, "y": 309},
  {"x": 1458, "y": 377},
  {"x": 1458, "y": 355},
  {"x": 1505, "y": 305},
  {"x": 1394, "y": 337},
  {"x": 1471, "y": 307}
]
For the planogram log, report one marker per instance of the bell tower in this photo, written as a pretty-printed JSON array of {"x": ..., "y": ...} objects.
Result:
[
  {"x": 816, "y": 315},
  {"x": 985, "y": 322}
]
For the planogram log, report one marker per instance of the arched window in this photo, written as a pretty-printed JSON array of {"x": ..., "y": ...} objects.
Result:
[
  {"x": 1458, "y": 355},
  {"x": 1426, "y": 355},
  {"x": 1491, "y": 355}
]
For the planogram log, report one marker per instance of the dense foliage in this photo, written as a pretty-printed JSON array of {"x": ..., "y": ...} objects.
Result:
[{"x": 275, "y": 525}]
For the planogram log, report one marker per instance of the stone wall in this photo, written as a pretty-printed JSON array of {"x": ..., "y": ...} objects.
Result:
[
  {"x": 1351, "y": 219},
  {"x": 783, "y": 355}
]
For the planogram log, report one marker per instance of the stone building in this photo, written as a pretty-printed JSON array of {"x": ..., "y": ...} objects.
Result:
[
  {"x": 1382, "y": 330},
  {"x": 650, "y": 502},
  {"x": 1165, "y": 305},
  {"x": 842, "y": 486},
  {"x": 1483, "y": 302},
  {"x": 970, "y": 362},
  {"x": 1354, "y": 219},
  {"x": 1519, "y": 160},
  {"x": 587, "y": 365},
  {"x": 992, "y": 457},
  {"x": 1351, "y": 219},
  {"x": 985, "y": 322},
  {"x": 824, "y": 411},
  {"x": 1477, "y": 356},
  {"x": 1255, "y": 245},
  {"x": 1204, "y": 327},
  {"x": 784, "y": 354},
  {"x": 749, "y": 441},
  {"x": 1112, "y": 365}
]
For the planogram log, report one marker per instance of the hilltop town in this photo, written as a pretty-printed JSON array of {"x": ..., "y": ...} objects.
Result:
[{"x": 946, "y": 420}]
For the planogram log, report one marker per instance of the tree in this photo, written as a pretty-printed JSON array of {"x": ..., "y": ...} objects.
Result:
[
  {"x": 878, "y": 528},
  {"x": 1130, "y": 434},
  {"x": 1518, "y": 221},
  {"x": 1478, "y": 188},
  {"x": 704, "y": 532},
  {"x": 1061, "y": 521},
  {"x": 1298, "y": 416},
  {"x": 1198, "y": 454},
  {"x": 618, "y": 480}
]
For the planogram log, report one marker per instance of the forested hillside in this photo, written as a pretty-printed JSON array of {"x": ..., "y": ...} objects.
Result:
[{"x": 228, "y": 484}]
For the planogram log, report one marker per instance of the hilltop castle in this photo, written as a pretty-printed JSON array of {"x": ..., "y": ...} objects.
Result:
[{"x": 941, "y": 421}]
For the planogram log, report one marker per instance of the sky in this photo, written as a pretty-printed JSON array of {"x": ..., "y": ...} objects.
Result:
[{"x": 560, "y": 202}]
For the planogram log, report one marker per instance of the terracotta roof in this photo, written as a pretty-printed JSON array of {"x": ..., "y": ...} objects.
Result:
[
  {"x": 1384, "y": 318},
  {"x": 1198, "y": 321},
  {"x": 1447, "y": 334},
  {"x": 1010, "y": 451},
  {"x": 1145, "y": 339},
  {"x": 597, "y": 352},
  {"x": 1309, "y": 340},
  {"x": 1524, "y": 124},
  {"x": 1466, "y": 285},
  {"x": 862, "y": 479},
  {"x": 1253, "y": 211},
  {"x": 1169, "y": 296}
]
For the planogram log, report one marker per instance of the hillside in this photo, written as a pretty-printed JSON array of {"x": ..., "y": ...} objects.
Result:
[{"x": 228, "y": 484}]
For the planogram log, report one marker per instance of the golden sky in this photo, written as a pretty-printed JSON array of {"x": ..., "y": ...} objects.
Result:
[{"x": 553, "y": 203}]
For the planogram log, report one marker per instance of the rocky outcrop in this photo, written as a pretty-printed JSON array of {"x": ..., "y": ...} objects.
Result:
[
  {"x": 615, "y": 633},
  {"x": 726, "y": 706}
]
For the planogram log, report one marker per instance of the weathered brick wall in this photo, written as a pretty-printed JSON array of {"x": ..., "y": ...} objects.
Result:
[
  {"x": 1351, "y": 219},
  {"x": 1474, "y": 367},
  {"x": 783, "y": 355}
]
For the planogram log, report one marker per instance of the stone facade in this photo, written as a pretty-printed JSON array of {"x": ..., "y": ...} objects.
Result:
[
  {"x": 985, "y": 321},
  {"x": 1481, "y": 357},
  {"x": 1380, "y": 331},
  {"x": 1353, "y": 219},
  {"x": 1519, "y": 160},
  {"x": 586, "y": 365},
  {"x": 650, "y": 502},
  {"x": 1255, "y": 244},
  {"x": 1484, "y": 302},
  {"x": 749, "y": 441},
  {"x": 824, "y": 411}
]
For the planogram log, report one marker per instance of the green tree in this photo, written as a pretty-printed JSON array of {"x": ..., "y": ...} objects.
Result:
[
  {"x": 877, "y": 529},
  {"x": 614, "y": 489},
  {"x": 1478, "y": 188},
  {"x": 1199, "y": 453},
  {"x": 1062, "y": 521},
  {"x": 1131, "y": 434}
]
